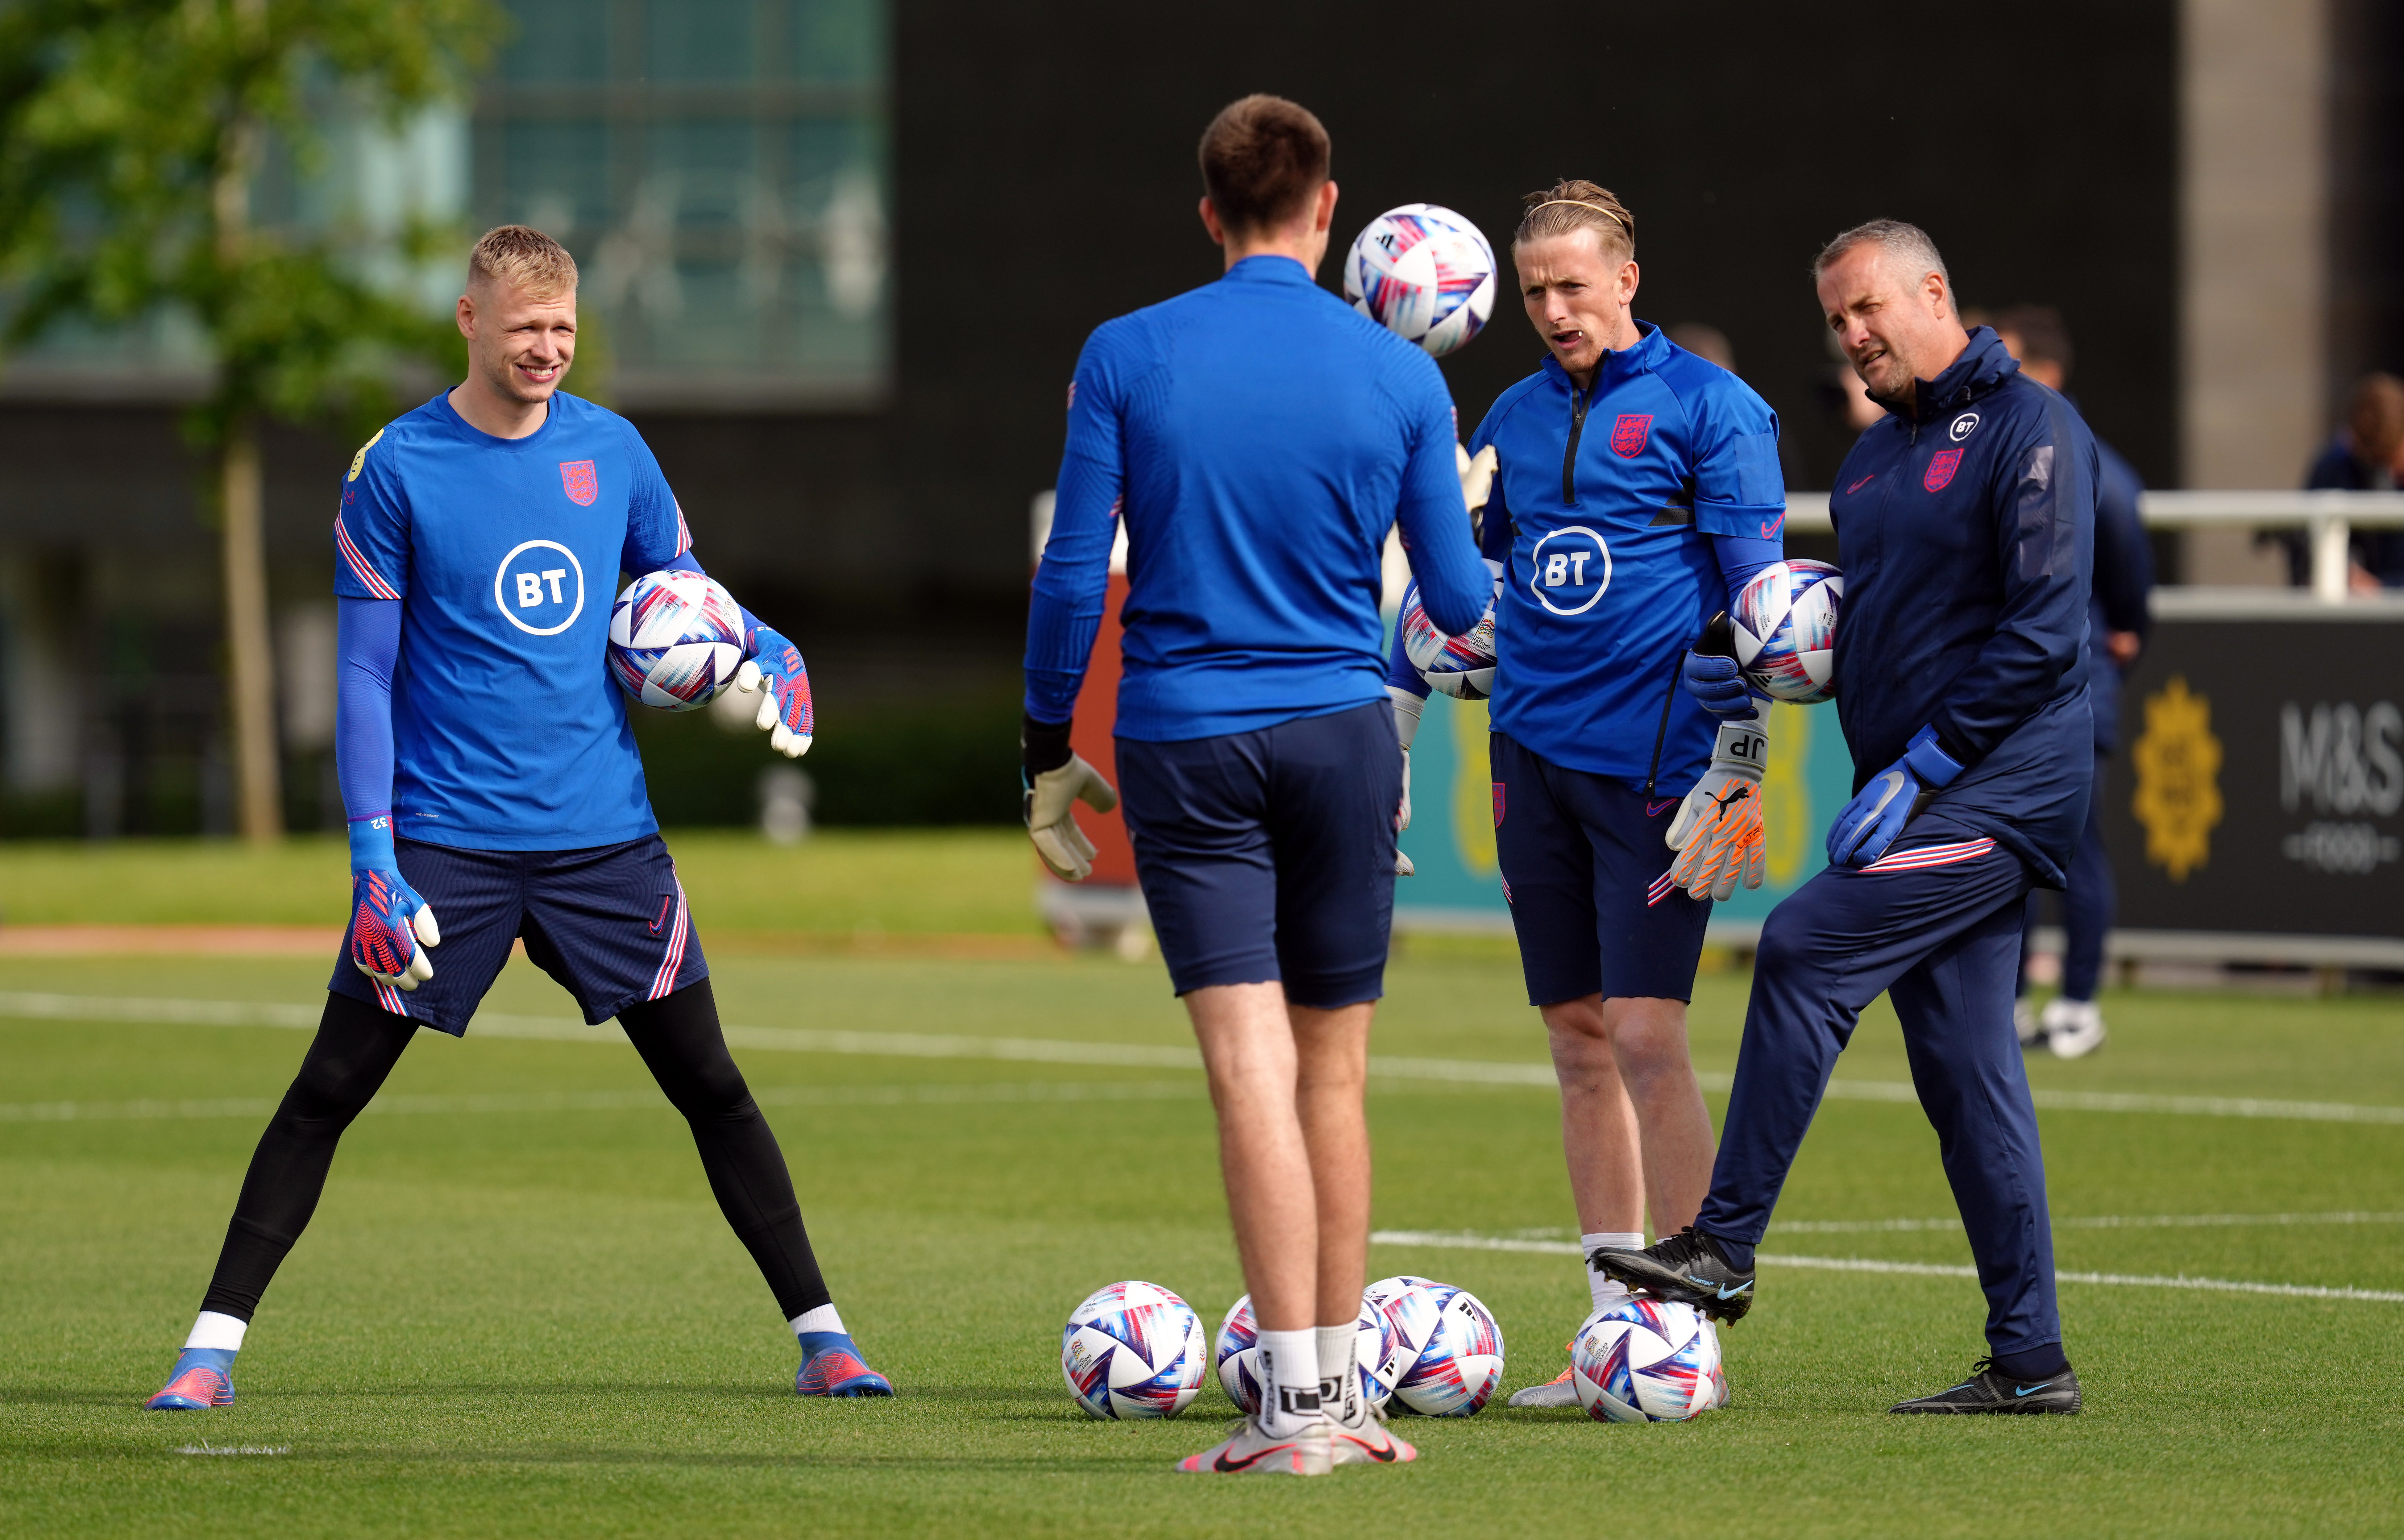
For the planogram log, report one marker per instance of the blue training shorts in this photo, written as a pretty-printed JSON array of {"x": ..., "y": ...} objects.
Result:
[
  {"x": 1269, "y": 855},
  {"x": 610, "y": 924},
  {"x": 1587, "y": 871}
]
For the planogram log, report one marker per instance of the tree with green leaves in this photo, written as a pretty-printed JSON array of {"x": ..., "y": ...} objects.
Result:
[{"x": 131, "y": 134}]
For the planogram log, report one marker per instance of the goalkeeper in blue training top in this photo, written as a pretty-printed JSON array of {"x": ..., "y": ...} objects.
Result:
[
  {"x": 491, "y": 778},
  {"x": 1637, "y": 492}
]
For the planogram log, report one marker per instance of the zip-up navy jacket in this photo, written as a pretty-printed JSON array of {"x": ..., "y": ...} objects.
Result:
[
  {"x": 2124, "y": 583},
  {"x": 1966, "y": 532}
]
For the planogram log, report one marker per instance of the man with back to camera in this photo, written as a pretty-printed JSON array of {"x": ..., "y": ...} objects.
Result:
[
  {"x": 1965, "y": 527},
  {"x": 489, "y": 771},
  {"x": 1260, "y": 437},
  {"x": 1638, "y": 492},
  {"x": 2071, "y": 1026}
]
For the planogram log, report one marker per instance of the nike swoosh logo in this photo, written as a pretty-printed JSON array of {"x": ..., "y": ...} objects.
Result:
[
  {"x": 1654, "y": 809},
  {"x": 1771, "y": 528},
  {"x": 1725, "y": 1294},
  {"x": 2028, "y": 1390},
  {"x": 1249, "y": 1460},
  {"x": 1383, "y": 1456},
  {"x": 1862, "y": 482}
]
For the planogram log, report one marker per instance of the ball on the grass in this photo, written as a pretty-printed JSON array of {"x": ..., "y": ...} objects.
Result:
[
  {"x": 675, "y": 639},
  {"x": 1133, "y": 1349},
  {"x": 1424, "y": 273},
  {"x": 1444, "y": 1349},
  {"x": 1461, "y": 666},
  {"x": 1785, "y": 620},
  {"x": 1646, "y": 1361},
  {"x": 1237, "y": 1352}
]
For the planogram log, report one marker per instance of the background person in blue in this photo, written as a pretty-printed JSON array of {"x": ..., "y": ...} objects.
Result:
[
  {"x": 1259, "y": 437},
  {"x": 1638, "y": 490},
  {"x": 490, "y": 775},
  {"x": 2071, "y": 1026},
  {"x": 1965, "y": 526}
]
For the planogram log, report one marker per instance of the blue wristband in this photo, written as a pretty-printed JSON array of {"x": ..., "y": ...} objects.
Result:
[
  {"x": 1930, "y": 763},
  {"x": 371, "y": 843}
]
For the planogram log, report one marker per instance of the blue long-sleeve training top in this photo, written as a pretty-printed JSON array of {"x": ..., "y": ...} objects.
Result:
[
  {"x": 1966, "y": 532},
  {"x": 1599, "y": 516},
  {"x": 1259, "y": 437}
]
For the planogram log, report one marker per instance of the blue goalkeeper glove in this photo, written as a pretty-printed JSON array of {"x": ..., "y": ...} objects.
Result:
[
  {"x": 775, "y": 669},
  {"x": 1710, "y": 673},
  {"x": 1869, "y": 823},
  {"x": 391, "y": 927}
]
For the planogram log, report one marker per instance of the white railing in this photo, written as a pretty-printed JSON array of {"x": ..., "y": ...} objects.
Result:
[{"x": 2327, "y": 518}]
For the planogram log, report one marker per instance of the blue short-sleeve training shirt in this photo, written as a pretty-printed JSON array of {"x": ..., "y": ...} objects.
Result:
[{"x": 505, "y": 555}]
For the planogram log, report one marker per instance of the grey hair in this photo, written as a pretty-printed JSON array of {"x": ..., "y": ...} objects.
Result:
[{"x": 1908, "y": 244}]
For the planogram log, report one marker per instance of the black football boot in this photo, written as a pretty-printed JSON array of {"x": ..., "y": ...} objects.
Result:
[
  {"x": 1686, "y": 1269},
  {"x": 1991, "y": 1389}
]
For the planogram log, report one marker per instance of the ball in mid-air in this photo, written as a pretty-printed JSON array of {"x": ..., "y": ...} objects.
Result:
[
  {"x": 1133, "y": 1349},
  {"x": 1646, "y": 1361},
  {"x": 1424, "y": 273},
  {"x": 675, "y": 639},
  {"x": 1461, "y": 666},
  {"x": 1446, "y": 1352},
  {"x": 1787, "y": 630},
  {"x": 1237, "y": 1352}
]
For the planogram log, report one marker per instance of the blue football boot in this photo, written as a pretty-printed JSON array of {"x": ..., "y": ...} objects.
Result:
[
  {"x": 831, "y": 1365},
  {"x": 201, "y": 1378}
]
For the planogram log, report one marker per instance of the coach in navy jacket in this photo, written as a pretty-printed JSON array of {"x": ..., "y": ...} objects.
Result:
[
  {"x": 1965, "y": 526},
  {"x": 1965, "y": 531}
]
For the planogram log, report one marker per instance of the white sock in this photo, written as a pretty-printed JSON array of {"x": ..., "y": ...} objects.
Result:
[
  {"x": 1339, "y": 1375},
  {"x": 1606, "y": 1290},
  {"x": 212, "y": 1330},
  {"x": 1288, "y": 1381},
  {"x": 821, "y": 1319}
]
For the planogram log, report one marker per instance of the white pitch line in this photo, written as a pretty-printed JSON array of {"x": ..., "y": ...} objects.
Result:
[
  {"x": 1452, "y": 1071},
  {"x": 647, "y": 1099},
  {"x": 1454, "y": 1242}
]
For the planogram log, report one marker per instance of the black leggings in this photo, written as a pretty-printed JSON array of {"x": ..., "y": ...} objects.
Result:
[{"x": 355, "y": 1048}]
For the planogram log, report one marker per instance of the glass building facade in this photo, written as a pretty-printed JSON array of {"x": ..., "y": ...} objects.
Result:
[{"x": 719, "y": 167}]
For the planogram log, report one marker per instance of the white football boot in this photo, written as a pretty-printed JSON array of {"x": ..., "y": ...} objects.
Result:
[
  {"x": 1365, "y": 1440},
  {"x": 1253, "y": 1452},
  {"x": 1557, "y": 1392},
  {"x": 2073, "y": 1028}
]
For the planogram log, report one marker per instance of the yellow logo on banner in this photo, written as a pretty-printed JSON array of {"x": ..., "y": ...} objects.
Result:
[
  {"x": 1787, "y": 833},
  {"x": 2178, "y": 779},
  {"x": 1473, "y": 790}
]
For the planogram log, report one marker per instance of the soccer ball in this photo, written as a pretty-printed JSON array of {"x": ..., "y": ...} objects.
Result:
[
  {"x": 1424, "y": 273},
  {"x": 1787, "y": 630},
  {"x": 1133, "y": 1349},
  {"x": 1445, "y": 1354},
  {"x": 1460, "y": 667},
  {"x": 1238, "y": 1353},
  {"x": 675, "y": 639},
  {"x": 1646, "y": 1361}
]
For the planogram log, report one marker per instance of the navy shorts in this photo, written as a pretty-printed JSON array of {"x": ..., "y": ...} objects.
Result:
[
  {"x": 1587, "y": 872},
  {"x": 610, "y": 924},
  {"x": 1269, "y": 855}
]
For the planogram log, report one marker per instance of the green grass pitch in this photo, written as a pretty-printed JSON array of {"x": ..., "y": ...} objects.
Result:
[{"x": 533, "y": 1322}]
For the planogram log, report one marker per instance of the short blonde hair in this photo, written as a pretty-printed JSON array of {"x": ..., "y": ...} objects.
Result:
[
  {"x": 525, "y": 257},
  {"x": 1571, "y": 206}
]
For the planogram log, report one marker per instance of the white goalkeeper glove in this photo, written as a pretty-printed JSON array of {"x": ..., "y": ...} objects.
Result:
[
  {"x": 1052, "y": 794},
  {"x": 1477, "y": 481},
  {"x": 1406, "y": 727},
  {"x": 1717, "y": 834}
]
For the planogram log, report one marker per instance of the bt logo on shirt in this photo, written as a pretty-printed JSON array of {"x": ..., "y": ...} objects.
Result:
[
  {"x": 540, "y": 588},
  {"x": 1570, "y": 570}
]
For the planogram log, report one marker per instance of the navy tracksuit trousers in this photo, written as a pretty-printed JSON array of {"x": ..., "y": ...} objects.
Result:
[
  {"x": 2087, "y": 904},
  {"x": 1934, "y": 921}
]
